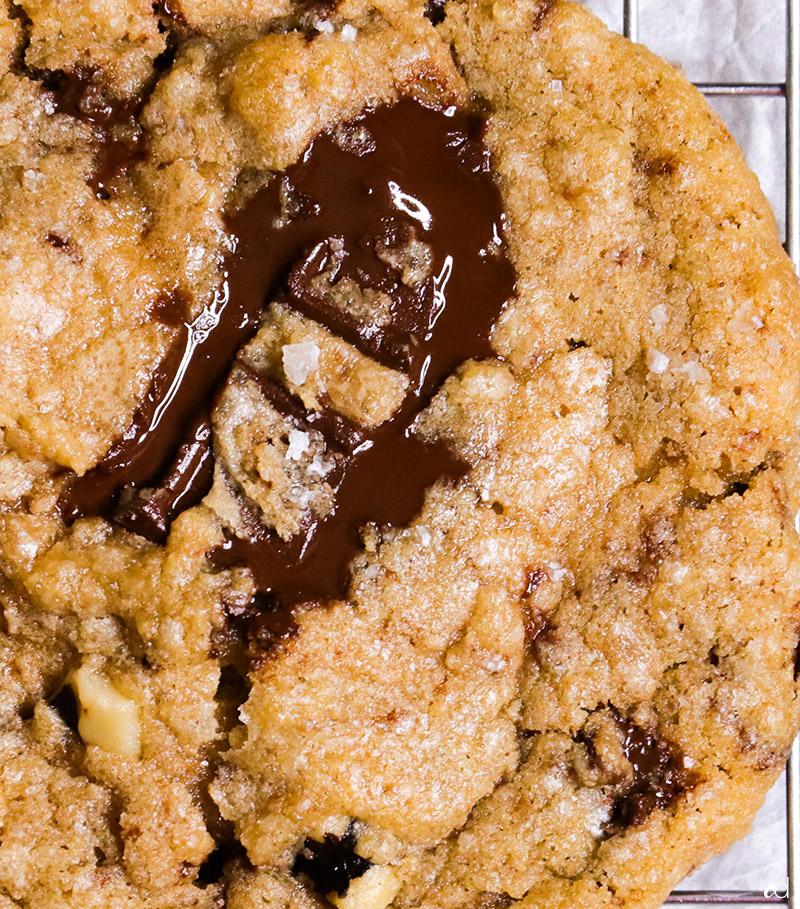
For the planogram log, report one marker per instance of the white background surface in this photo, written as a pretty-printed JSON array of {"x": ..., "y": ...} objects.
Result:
[{"x": 732, "y": 41}]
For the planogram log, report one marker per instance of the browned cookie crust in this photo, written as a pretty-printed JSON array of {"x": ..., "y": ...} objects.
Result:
[{"x": 399, "y": 460}]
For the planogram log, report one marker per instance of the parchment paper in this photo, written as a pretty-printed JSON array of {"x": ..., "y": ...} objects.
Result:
[{"x": 732, "y": 41}]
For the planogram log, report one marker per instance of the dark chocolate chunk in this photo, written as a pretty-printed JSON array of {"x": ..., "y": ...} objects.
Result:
[
  {"x": 331, "y": 864},
  {"x": 423, "y": 175},
  {"x": 212, "y": 869},
  {"x": 415, "y": 177},
  {"x": 65, "y": 705},
  {"x": 115, "y": 158},
  {"x": 392, "y": 345},
  {"x": 659, "y": 776},
  {"x": 79, "y": 93},
  {"x": 338, "y": 431},
  {"x": 150, "y": 512}
]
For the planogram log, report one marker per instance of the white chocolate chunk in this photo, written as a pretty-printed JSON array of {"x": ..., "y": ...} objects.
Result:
[
  {"x": 107, "y": 719},
  {"x": 373, "y": 890}
]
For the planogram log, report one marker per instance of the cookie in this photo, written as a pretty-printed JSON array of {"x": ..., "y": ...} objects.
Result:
[{"x": 398, "y": 469}]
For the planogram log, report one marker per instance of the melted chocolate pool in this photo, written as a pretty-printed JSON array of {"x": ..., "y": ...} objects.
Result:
[{"x": 395, "y": 172}]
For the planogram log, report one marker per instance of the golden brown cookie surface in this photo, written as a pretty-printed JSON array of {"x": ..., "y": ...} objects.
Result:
[{"x": 398, "y": 470}]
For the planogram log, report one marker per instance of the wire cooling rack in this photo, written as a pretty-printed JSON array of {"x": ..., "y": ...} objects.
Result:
[{"x": 789, "y": 895}]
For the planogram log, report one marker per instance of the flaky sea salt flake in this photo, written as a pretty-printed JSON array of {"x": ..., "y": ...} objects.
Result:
[
  {"x": 495, "y": 663},
  {"x": 554, "y": 571},
  {"x": 299, "y": 443},
  {"x": 425, "y": 536},
  {"x": 299, "y": 361},
  {"x": 657, "y": 362},
  {"x": 695, "y": 371},
  {"x": 319, "y": 468},
  {"x": 659, "y": 317}
]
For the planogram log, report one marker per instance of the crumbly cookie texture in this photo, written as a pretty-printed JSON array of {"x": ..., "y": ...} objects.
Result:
[
  {"x": 572, "y": 676},
  {"x": 122, "y": 39}
]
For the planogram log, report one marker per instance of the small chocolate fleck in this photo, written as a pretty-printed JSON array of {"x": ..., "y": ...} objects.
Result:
[
  {"x": 253, "y": 631},
  {"x": 653, "y": 167},
  {"x": 268, "y": 631},
  {"x": 543, "y": 11},
  {"x": 66, "y": 246},
  {"x": 657, "y": 540},
  {"x": 536, "y": 578},
  {"x": 435, "y": 11},
  {"x": 169, "y": 10},
  {"x": 331, "y": 864},
  {"x": 320, "y": 9},
  {"x": 575, "y": 344},
  {"x": 797, "y": 654},
  {"x": 535, "y": 626}
]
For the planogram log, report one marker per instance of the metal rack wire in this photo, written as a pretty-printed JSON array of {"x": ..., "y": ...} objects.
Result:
[{"x": 790, "y": 90}]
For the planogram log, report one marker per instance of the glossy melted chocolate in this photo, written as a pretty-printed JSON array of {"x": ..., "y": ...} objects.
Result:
[
  {"x": 414, "y": 171},
  {"x": 659, "y": 776}
]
